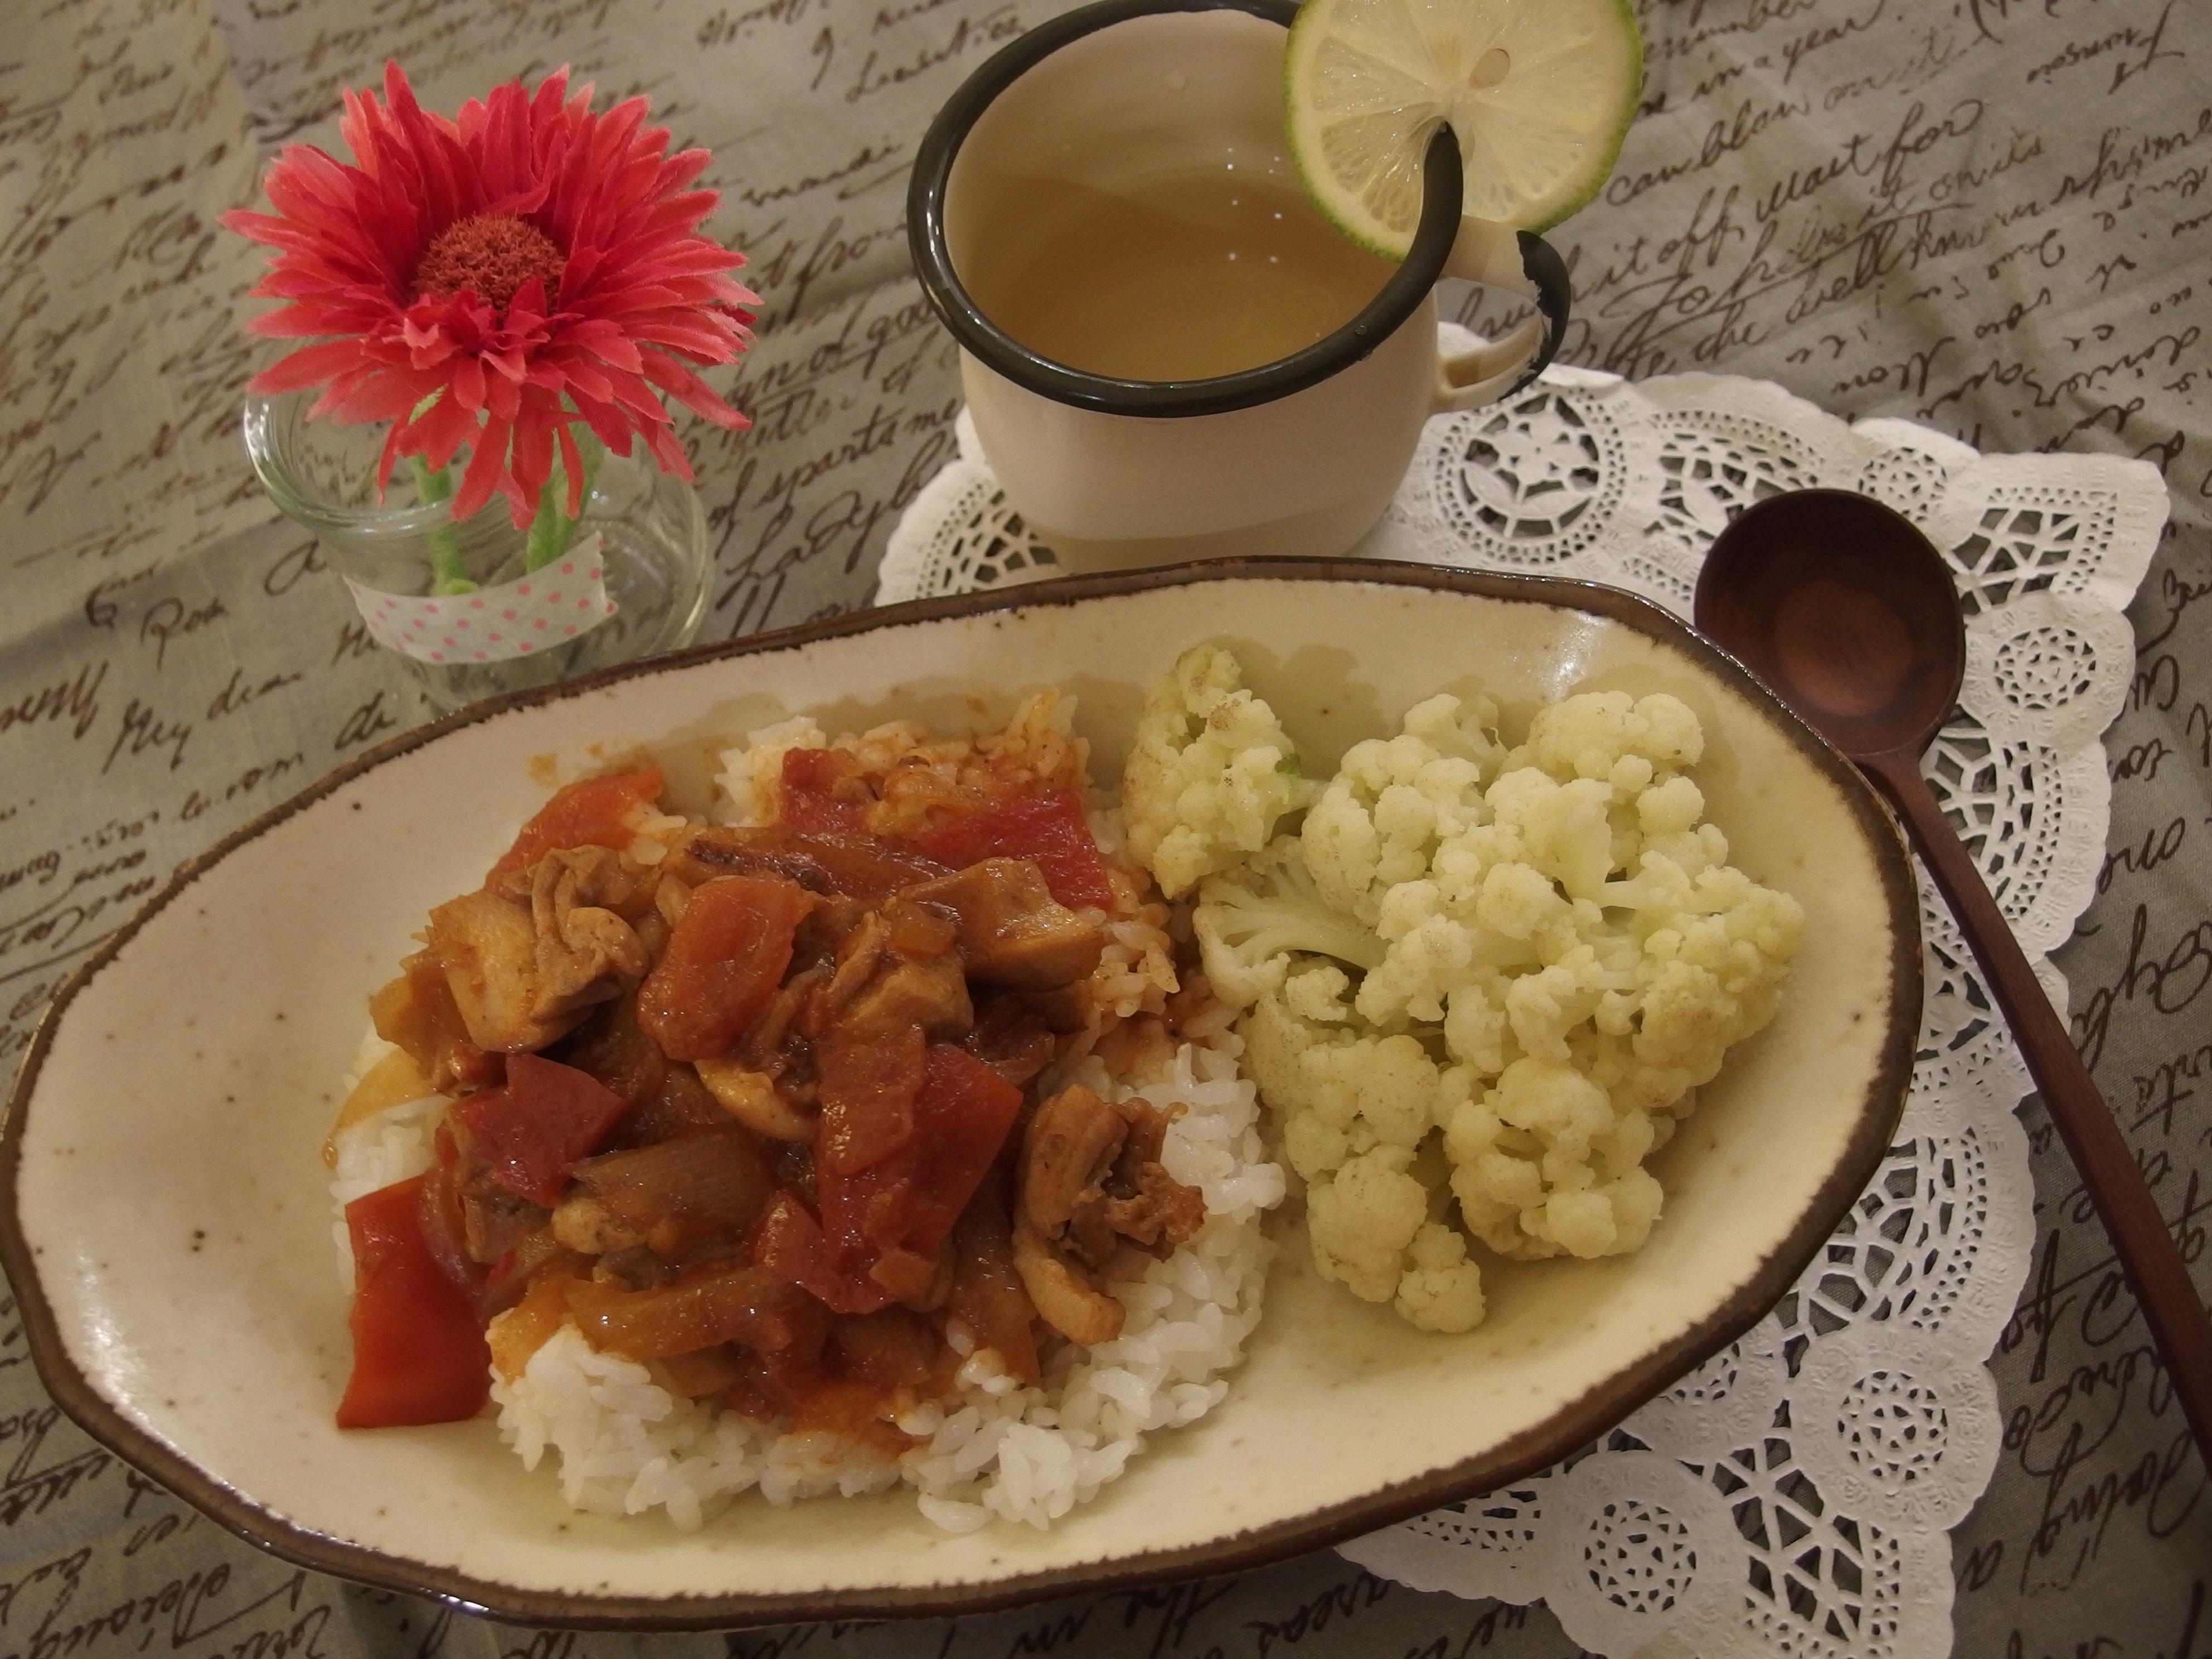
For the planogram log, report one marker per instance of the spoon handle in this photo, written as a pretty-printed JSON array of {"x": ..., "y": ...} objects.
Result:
[{"x": 2147, "y": 1252}]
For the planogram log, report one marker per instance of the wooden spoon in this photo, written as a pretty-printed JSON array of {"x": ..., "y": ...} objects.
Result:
[{"x": 1849, "y": 613}]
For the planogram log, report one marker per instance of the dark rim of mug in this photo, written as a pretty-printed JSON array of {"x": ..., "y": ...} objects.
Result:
[{"x": 1398, "y": 299}]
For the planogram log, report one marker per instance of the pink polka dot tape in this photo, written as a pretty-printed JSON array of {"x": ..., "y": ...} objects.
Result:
[{"x": 548, "y": 607}]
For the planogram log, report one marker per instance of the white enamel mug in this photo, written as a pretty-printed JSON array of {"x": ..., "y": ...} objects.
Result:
[{"x": 1297, "y": 457}]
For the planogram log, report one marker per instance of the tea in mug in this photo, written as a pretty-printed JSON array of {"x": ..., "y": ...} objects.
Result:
[{"x": 1176, "y": 278}]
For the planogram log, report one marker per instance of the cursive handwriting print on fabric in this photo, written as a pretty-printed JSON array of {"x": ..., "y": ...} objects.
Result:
[{"x": 1989, "y": 217}]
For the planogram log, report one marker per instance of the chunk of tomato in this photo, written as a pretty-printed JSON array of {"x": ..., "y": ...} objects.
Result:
[
  {"x": 418, "y": 1353},
  {"x": 724, "y": 959},
  {"x": 1047, "y": 828},
  {"x": 868, "y": 1085},
  {"x": 590, "y": 812},
  {"x": 790, "y": 1244},
  {"x": 823, "y": 790},
  {"x": 546, "y": 1117},
  {"x": 909, "y": 1202},
  {"x": 962, "y": 1118},
  {"x": 865, "y": 1213}
]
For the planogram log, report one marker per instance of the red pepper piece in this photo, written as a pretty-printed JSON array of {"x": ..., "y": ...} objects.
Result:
[
  {"x": 419, "y": 1354},
  {"x": 867, "y": 1084},
  {"x": 591, "y": 812},
  {"x": 1048, "y": 828},
  {"x": 723, "y": 961},
  {"x": 547, "y": 1117},
  {"x": 823, "y": 790}
]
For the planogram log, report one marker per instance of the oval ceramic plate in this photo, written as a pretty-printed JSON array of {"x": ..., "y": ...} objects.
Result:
[{"x": 165, "y": 1225}]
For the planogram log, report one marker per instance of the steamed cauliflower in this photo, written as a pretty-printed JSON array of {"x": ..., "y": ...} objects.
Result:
[
  {"x": 1250, "y": 924},
  {"x": 1394, "y": 800},
  {"x": 1362, "y": 1218},
  {"x": 1545, "y": 1162},
  {"x": 1210, "y": 772},
  {"x": 1442, "y": 1289},
  {"x": 1482, "y": 983},
  {"x": 1341, "y": 1092}
]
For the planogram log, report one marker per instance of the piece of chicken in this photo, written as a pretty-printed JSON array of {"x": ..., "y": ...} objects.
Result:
[
  {"x": 1064, "y": 1295},
  {"x": 1012, "y": 931},
  {"x": 1091, "y": 1184},
  {"x": 586, "y": 952},
  {"x": 929, "y": 992},
  {"x": 753, "y": 1099},
  {"x": 525, "y": 975},
  {"x": 1072, "y": 1141}
]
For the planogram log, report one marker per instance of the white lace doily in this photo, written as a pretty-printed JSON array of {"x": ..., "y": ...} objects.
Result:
[{"x": 1793, "y": 1496}]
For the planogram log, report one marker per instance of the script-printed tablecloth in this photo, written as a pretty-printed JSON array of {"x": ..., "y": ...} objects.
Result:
[{"x": 1987, "y": 217}]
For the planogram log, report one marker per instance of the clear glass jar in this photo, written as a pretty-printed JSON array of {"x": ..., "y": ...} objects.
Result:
[{"x": 651, "y": 531}]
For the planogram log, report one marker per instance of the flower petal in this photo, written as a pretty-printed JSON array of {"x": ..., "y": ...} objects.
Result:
[{"x": 691, "y": 391}]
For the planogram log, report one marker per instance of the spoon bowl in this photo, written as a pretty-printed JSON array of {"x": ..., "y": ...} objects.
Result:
[
  {"x": 1870, "y": 648},
  {"x": 1849, "y": 614}
]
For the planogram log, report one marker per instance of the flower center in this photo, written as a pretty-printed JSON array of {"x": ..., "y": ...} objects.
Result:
[{"x": 493, "y": 254}]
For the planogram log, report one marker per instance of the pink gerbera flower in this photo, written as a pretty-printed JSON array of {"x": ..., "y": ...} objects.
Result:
[{"x": 491, "y": 280}]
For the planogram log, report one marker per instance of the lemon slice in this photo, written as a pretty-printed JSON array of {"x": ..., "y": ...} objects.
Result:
[{"x": 1539, "y": 92}]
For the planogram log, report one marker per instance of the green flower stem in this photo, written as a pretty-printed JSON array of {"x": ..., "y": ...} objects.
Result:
[
  {"x": 448, "y": 570},
  {"x": 551, "y": 532}
]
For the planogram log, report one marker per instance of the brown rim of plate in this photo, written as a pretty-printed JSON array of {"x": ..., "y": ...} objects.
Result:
[{"x": 1573, "y": 1426}]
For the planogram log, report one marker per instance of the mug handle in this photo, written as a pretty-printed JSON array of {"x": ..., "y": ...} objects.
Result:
[{"x": 1520, "y": 263}]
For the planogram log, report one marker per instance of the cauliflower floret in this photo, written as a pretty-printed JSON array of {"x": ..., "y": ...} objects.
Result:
[
  {"x": 1628, "y": 754},
  {"x": 1716, "y": 950},
  {"x": 1362, "y": 1219},
  {"x": 1557, "y": 1104},
  {"x": 1319, "y": 993},
  {"x": 1695, "y": 851},
  {"x": 1442, "y": 1290},
  {"x": 1519, "y": 900},
  {"x": 1339, "y": 1093},
  {"x": 1477, "y": 1032},
  {"x": 1249, "y": 924},
  {"x": 1439, "y": 947},
  {"x": 1394, "y": 799},
  {"x": 1722, "y": 975},
  {"x": 1658, "y": 891},
  {"x": 1462, "y": 864},
  {"x": 1429, "y": 953},
  {"x": 1565, "y": 827},
  {"x": 1463, "y": 730},
  {"x": 1613, "y": 1220},
  {"x": 1546, "y": 1163},
  {"x": 1210, "y": 772},
  {"x": 1588, "y": 735},
  {"x": 1543, "y": 1006},
  {"x": 1388, "y": 1082},
  {"x": 1669, "y": 808}
]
